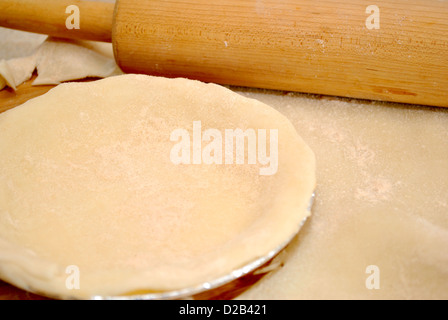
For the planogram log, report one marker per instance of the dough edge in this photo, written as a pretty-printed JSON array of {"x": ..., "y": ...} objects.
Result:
[{"x": 251, "y": 251}]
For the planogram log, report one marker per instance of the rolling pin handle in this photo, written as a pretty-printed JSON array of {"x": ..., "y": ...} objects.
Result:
[{"x": 73, "y": 19}]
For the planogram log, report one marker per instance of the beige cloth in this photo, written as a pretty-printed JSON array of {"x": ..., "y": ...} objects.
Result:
[{"x": 59, "y": 60}]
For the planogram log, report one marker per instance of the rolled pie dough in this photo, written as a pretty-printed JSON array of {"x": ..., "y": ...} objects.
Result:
[{"x": 87, "y": 181}]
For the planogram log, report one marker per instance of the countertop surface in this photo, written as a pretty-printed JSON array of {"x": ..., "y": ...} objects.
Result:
[{"x": 381, "y": 201}]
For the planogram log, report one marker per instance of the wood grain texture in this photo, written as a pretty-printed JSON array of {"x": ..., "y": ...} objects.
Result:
[
  {"x": 308, "y": 46},
  {"x": 10, "y": 98},
  {"x": 319, "y": 47},
  {"x": 49, "y": 17}
]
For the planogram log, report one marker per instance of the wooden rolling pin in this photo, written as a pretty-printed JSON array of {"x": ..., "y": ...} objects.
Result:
[{"x": 398, "y": 52}]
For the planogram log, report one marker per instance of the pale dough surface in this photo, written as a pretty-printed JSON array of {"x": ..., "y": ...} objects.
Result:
[
  {"x": 86, "y": 180},
  {"x": 381, "y": 200}
]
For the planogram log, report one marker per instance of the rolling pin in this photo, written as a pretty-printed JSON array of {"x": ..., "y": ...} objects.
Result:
[{"x": 392, "y": 51}]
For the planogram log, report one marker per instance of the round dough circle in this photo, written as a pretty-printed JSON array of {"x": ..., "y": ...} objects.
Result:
[{"x": 89, "y": 191}]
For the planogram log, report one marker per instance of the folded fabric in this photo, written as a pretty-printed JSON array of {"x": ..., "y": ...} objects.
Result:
[{"x": 60, "y": 60}]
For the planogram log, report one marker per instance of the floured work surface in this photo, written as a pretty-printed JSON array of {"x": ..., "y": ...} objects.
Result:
[
  {"x": 381, "y": 201},
  {"x": 380, "y": 219},
  {"x": 382, "y": 185},
  {"x": 105, "y": 180}
]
